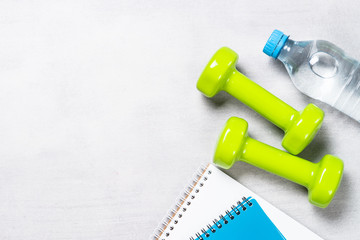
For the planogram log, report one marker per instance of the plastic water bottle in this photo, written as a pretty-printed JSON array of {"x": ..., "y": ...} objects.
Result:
[{"x": 319, "y": 69}]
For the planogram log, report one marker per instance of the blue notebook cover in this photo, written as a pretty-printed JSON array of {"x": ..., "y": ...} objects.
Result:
[{"x": 247, "y": 220}]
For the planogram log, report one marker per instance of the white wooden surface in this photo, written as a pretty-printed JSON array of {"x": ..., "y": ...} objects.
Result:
[{"x": 102, "y": 126}]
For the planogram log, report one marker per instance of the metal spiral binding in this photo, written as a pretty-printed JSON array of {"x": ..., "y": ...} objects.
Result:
[
  {"x": 181, "y": 205},
  {"x": 229, "y": 215}
]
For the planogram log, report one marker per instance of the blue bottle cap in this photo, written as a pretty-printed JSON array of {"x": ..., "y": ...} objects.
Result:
[{"x": 275, "y": 43}]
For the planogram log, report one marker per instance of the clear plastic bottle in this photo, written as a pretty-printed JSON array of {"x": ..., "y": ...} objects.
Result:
[{"x": 320, "y": 70}]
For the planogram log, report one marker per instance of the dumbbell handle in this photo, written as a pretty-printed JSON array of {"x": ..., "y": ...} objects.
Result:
[
  {"x": 278, "y": 162},
  {"x": 262, "y": 101}
]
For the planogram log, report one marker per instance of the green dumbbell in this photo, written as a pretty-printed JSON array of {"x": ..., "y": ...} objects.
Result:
[
  {"x": 321, "y": 179},
  {"x": 300, "y": 127}
]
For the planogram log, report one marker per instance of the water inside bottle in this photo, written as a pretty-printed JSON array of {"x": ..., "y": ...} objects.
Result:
[
  {"x": 323, "y": 64},
  {"x": 323, "y": 71},
  {"x": 330, "y": 76}
]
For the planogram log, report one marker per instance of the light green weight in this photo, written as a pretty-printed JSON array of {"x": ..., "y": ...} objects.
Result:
[
  {"x": 321, "y": 179},
  {"x": 300, "y": 127}
]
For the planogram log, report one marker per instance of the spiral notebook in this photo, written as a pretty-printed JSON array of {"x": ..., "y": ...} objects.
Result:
[
  {"x": 215, "y": 206},
  {"x": 247, "y": 220}
]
